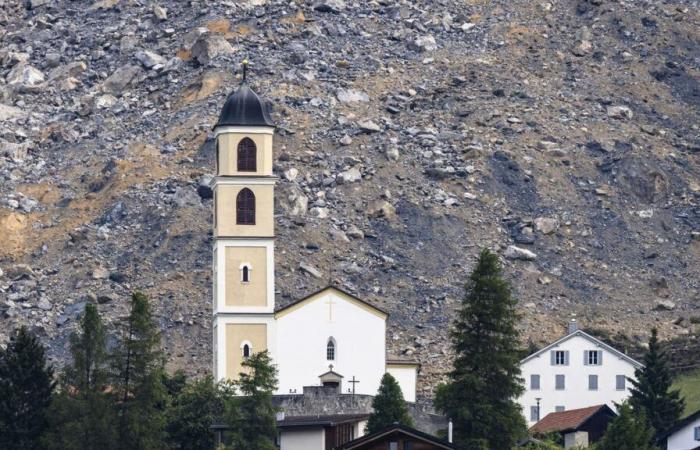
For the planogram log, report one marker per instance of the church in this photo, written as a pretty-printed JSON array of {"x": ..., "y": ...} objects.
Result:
[{"x": 330, "y": 337}]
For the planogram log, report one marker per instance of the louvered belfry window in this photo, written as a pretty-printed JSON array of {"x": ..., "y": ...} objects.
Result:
[
  {"x": 245, "y": 207},
  {"x": 247, "y": 156}
]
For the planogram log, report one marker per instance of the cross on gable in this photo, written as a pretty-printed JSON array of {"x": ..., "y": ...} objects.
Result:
[{"x": 330, "y": 304}]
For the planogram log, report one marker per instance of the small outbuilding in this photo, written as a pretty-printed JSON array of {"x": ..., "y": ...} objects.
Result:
[
  {"x": 398, "y": 437},
  {"x": 579, "y": 427},
  {"x": 685, "y": 434}
]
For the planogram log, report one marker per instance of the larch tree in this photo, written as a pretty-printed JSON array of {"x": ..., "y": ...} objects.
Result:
[
  {"x": 388, "y": 406},
  {"x": 484, "y": 384},
  {"x": 651, "y": 391},
  {"x": 82, "y": 413},
  {"x": 137, "y": 375},
  {"x": 26, "y": 386},
  {"x": 628, "y": 431}
]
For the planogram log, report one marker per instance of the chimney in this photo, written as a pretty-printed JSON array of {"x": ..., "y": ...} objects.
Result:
[
  {"x": 449, "y": 431},
  {"x": 572, "y": 326}
]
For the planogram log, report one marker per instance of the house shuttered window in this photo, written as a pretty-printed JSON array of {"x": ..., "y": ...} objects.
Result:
[
  {"x": 620, "y": 381},
  {"x": 560, "y": 382},
  {"x": 534, "y": 382},
  {"x": 593, "y": 357},
  {"x": 592, "y": 382},
  {"x": 560, "y": 357},
  {"x": 697, "y": 433}
]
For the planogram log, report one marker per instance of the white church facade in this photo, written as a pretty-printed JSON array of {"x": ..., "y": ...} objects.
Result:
[
  {"x": 576, "y": 371},
  {"x": 330, "y": 337}
]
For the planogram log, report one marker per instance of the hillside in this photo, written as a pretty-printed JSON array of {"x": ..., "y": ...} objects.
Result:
[{"x": 411, "y": 135}]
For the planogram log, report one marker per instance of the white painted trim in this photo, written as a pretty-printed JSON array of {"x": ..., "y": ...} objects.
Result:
[
  {"x": 236, "y": 180},
  {"x": 243, "y": 130}
]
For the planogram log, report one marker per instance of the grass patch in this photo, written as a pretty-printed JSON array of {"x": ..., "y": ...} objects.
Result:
[{"x": 689, "y": 384}]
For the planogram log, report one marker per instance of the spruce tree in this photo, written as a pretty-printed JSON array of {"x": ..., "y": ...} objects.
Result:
[
  {"x": 82, "y": 415},
  {"x": 192, "y": 412},
  {"x": 138, "y": 380},
  {"x": 388, "y": 406},
  {"x": 651, "y": 392},
  {"x": 26, "y": 386},
  {"x": 252, "y": 416},
  {"x": 480, "y": 396},
  {"x": 628, "y": 431}
]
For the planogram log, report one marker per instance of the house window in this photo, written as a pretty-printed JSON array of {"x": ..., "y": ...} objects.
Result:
[
  {"x": 407, "y": 445},
  {"x": 246, "y": 160},
  {"x": 245, "y": 273},
  {"x": 592, "y": 382},
  {"x": 593, "y": 357},
  {"x": 560, "y": 358},
  {"x": 534, "y": 414},
  {"x": 393, "y": 446},
  {"x": 330, "y": 350},
  {"x": 560, "y": 382},
  {"x": 620, "y": 381},
  {"x": 245, "y": 207},
  {"x": 696, "y": 430},
  {"x": 246, "y": 351},
  {"x": 534, "y": 382},
  {"x": 560, "y": 408}
]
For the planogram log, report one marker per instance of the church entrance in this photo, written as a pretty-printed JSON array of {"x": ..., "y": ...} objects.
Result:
[{"x": 331, "y": 379}]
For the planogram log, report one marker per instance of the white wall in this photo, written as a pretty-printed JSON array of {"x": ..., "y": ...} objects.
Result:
[
  {"x": 306, "y": 439},
  {"x": 303, "y": 334},
  {"x": 576, "y": 394},
  {"x": 406, "y": 376},
  {"x": 684, "y": 439}
]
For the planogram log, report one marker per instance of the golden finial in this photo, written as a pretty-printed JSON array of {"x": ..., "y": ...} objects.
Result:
[{"x": 244, "y": 63}]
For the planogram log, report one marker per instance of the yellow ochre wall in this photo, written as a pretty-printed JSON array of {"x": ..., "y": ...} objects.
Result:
[
  {"x": 253, "y": 293},
  {"x": 226, "y": 211},
  {"x": 228, "y": 146},
  {"x": 236, "y": 333}
]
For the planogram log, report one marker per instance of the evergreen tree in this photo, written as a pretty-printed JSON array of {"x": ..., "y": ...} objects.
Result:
[
  {"x": 82, "y": 415},
  {"x": 388, "y": 406},
  {"x": 26, "y": 385},
  {"x": 485, "y": 382},
  {"x": 192, "y": 412},
  {"x": 252, "y": 416},
  {"x": 651, "y": 392},
  {"x": 628, "y": 431},
  {"x": 138, "y": 380}
]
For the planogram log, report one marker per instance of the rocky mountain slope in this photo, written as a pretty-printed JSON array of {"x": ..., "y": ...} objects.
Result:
[{"x": 562, "y": 134}]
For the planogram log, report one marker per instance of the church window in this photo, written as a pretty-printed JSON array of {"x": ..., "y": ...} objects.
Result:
[
  {"x": 245, "y": 273},
  {"x": 246, "y": 351},
  {"x": 330, "y": 350},
  {"x": 247, "y": 156},
  {"x": 245, "y": 207}
]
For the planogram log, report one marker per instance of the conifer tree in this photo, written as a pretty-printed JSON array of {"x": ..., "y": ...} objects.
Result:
[
  {"x": 485, "y": 382},
  {"x": 82, "y": 415},
  {"x": 252, "y": 417},
  {"x": 628, "y": 431},
  {"x": 138, "y": 380},
  {"x": 651, "y": 392},
  {"x": 26, "y": 385},
  {"x": 192, "y": 412},
  {"x": 388, "y": 406}
]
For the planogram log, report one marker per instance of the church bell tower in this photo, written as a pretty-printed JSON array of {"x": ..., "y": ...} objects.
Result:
[{"x": 244, "y": 233}]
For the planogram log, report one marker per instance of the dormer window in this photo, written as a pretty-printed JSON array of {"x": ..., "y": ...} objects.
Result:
[{"x": 246, "y": 158}]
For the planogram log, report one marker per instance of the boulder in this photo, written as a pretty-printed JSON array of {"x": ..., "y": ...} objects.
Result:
[
  {"x": 25, "y": 76},
  {"x": 149, "y": 59},
  {"x": 620, "y": 112},
  {"x": 311, "y": 270},
  {"x": 349, "y": 176},
  {"x": 513, "y": 252},
  {"x": 351, "y": 96},
  {"x": 121, "y": 78},
  {"x": 424, "y": 43},
  {"x": 210, "y": 46},
  {"x": 546, "y": 225}
]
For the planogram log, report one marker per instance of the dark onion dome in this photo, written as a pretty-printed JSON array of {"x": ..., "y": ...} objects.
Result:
[{"x": 244, "y": 108}]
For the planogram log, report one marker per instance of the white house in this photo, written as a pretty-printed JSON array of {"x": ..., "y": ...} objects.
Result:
[
  {"x": 319, "y": 432},
  {"x": 573, "y": 372},
  {"x": 685, "y": 435},
  {"x": 329, "y": 338}
]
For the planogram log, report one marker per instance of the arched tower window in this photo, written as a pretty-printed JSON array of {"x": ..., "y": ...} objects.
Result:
[
  {"x": 246, "y": 349},
  {"x": 330, "y": 350},
  {"x": 245, "y": 207},
  {"x": 245, "y": 272},
  {"x": 246, "y": 158}
]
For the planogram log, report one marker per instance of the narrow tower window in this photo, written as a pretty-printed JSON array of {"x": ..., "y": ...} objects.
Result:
[
  {"x": 245, "y": 207},
  {"x": 245, "y": 274},
  {"x": 246, "y": 351},
  {"x": 330, "y": 350},
  {"x": 247, "y": 156}
]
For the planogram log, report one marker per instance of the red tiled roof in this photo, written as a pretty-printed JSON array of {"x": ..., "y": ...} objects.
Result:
[{"x": 565, "y": 420}]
